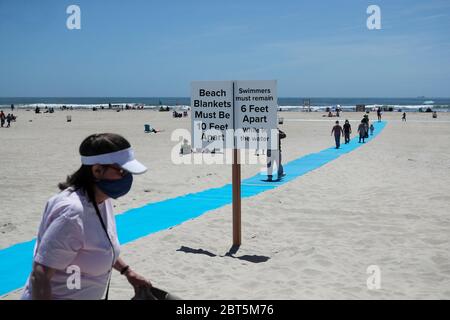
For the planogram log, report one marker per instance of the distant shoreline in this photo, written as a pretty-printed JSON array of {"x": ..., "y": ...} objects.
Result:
[
  {"x": 183, "y": 103},
  {"x": 281, "y": 109},
  {"x": 170, "y": 108}
]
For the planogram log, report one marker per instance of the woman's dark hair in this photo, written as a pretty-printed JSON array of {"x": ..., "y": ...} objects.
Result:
[{"x": 93, "y": 145}]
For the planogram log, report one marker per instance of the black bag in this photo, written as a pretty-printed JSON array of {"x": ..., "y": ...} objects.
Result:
[{"x": 153, "y": 293}]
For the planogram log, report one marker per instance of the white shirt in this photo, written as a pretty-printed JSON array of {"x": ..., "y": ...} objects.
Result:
[{"x": 70, "y": 234}]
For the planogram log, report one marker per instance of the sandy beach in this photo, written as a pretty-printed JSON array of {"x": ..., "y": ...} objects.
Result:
[{"x": 384, "y": 204}]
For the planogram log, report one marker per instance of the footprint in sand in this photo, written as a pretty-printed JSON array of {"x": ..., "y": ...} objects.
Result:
[
  {"x": 7, "y": 227},
  {"x": 441, "y": 198},
  {"x": 324, "y": 263},
  {"x": 311, "y": 272},
  {"x": 321, "y": 260},
  {"x": 308, "y": 251},
  {"x": 300, "y": 263},
  {"x": 434, "y": 241}
]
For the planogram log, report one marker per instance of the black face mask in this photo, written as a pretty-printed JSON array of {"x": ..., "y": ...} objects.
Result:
[{"x": 116, "y": 188}]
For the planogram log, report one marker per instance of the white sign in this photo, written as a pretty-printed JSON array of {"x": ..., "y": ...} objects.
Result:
[
  {"x": 211, "y": 113},
  {"x": 234, "y": 114},
  {"x": 256, "y": 107}
]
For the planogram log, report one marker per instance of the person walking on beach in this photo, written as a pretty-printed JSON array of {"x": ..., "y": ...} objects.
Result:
[
  {"x": 275, "y": 156},
  {"x": 338, "y": 132},
  {"x": 362, "y": 130},
  {"x": 77, "y": 238},
  {"x": 366, "y": 123},
  {"x": 404, "y": 116},
  {"x": 2, "y": 118},
  {"x": 8, "y": 120},
  {"x": 372, "y": 128},
  {"x": 379, "y": 114},
  {"x": 347, "y": 131}
]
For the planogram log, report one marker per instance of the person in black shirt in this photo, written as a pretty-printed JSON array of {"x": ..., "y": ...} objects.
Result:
[
  {"x": 362, "y": 129},
  {"x": 347, "y": 131},
  {"x": 366, "y": 122}
]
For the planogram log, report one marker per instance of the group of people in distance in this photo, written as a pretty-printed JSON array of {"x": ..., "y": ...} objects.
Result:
[
  {"x": 176, "y": 114},
  {"x": 6, "y": 118},
  {"x": 346, "y": 130}
]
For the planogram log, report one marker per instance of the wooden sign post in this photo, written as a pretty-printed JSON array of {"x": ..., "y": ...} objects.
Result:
[
  {"x": 248, "y": 109},
  {"x": 236, "y": 186}
]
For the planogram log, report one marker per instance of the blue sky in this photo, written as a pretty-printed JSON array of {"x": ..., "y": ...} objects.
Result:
[{"x": 156, "y": 48}]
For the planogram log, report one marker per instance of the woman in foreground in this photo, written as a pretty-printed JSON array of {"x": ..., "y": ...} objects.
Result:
[{"x": 77, "y": 245}]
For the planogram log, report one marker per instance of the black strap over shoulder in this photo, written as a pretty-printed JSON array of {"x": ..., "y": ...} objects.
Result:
[{"x": 110, "y": 242}]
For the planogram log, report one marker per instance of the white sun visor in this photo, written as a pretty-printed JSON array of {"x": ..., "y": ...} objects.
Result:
[{"x": 124, "y": 158}]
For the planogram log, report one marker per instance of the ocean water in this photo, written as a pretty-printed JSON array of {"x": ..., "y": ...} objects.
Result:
[{"x": 293, "y": 104}]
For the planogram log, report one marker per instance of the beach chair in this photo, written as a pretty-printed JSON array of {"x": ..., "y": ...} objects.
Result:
[
  {"x": 186, "y": 149},
  {"x": 280, "y": 120},
  {"x": 69, "y": 118},
  {"x": 147, "y": 128}
]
